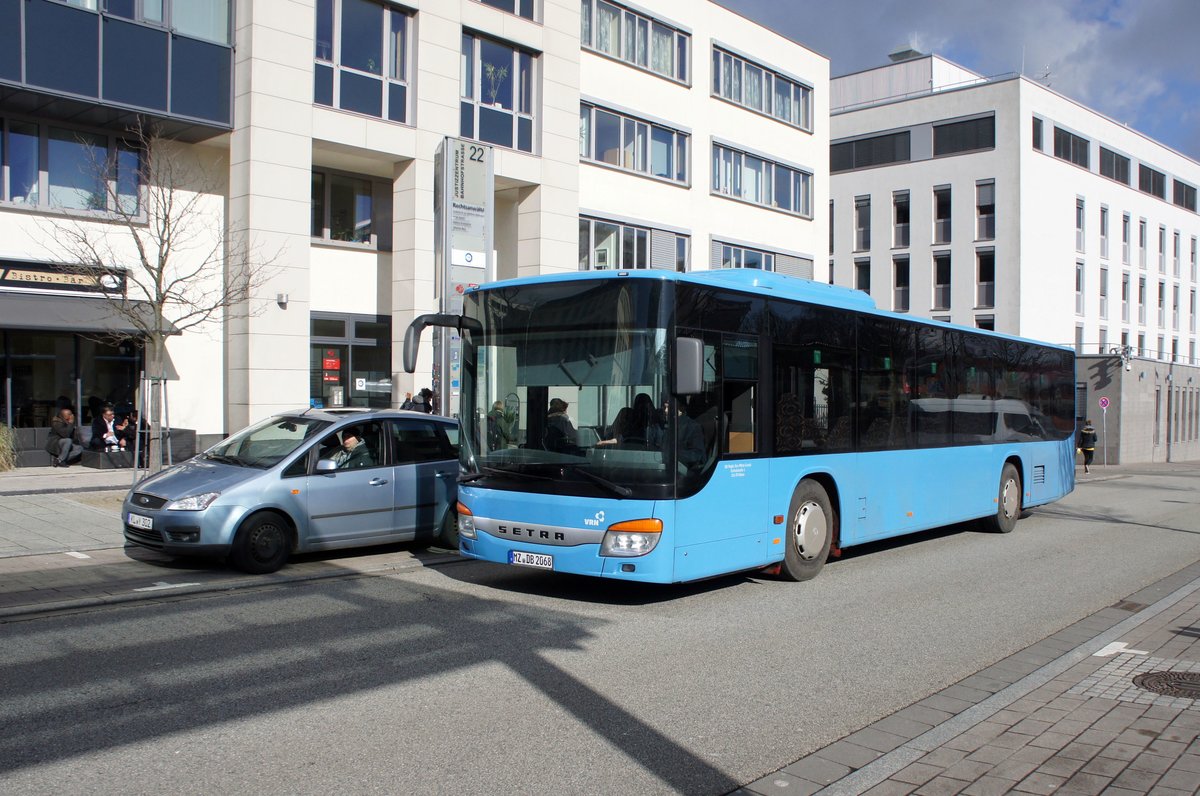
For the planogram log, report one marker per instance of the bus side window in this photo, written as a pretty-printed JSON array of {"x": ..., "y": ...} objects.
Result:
[{"x": 740, "y": 377}]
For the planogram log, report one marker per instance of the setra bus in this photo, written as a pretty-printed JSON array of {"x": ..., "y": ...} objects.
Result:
[{"x": 662, "y": 427}]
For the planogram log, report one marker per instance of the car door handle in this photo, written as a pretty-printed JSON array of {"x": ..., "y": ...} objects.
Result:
[
  {"x": 377, "y": 481},
  {"x": 441, "y": 474}
]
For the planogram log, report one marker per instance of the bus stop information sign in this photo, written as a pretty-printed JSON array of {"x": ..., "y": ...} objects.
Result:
[{"x": 463, "y": 190}]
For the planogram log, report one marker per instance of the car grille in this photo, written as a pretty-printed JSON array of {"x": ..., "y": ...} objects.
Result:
[
  {"x": 143, "y": 537},
  {"x": 145, "y": 501}
]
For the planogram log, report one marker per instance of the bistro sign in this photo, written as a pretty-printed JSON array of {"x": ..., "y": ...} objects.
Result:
[{"x": 49, "y": 276}]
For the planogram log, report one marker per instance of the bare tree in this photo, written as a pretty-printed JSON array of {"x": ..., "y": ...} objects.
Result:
[{"x": 160, "y": 232}]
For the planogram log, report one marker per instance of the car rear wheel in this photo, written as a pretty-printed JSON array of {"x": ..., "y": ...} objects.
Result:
[{"x": 262, "y": 545}]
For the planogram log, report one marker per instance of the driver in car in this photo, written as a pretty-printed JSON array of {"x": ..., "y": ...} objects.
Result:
[{"x": 354, "y": 452}]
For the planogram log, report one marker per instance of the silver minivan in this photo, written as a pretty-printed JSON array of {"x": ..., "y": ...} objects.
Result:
[{"x": 303, "y": 481}]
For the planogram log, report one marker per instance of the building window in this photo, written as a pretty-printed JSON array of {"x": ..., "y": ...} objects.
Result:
[
  {"x": 1162, "y": 304},
  {"x": 1161, "y": 353},
  {"x": 941, "y": 215},
  {"x": 1192, "y": 311},
  {"x": 1142, "y": 243},
  {"x": 522, "y": 8},
  {"x": 1175, "y": 252},
  {"x": 1125, "y": 238},
  {"x": 1114, "y": 166},
  {"x": 1162, "y": 249},
  {"x": 343, "y": 208},
  {"x": 1192, "y": 260},
  {"x": 901, "y": 285},
  {"x": 740, "y": 175},
  {"x": 761, "y": 89},
  {"x": 497, "y": 88},
  {"x": 1103, "y": 231},
  {"x": 969, "y": 136},
  {"x": 866, "y": 152},
  {"x": 1080, "y": 218},
  {"x": 350, "y": 360},
  {"x": 1175, "y": 308},
  {"x": 1141, "y": 344},
  {"x": 862, "y": 275},
  {"x": 1142, "y": 300},
  {"x": 1103, "y": 347},
  {"x": 632, "y": 144},
  {"x": 941, "y": 281},
  {"x": 1184, "y": 195},
  {"x": 985, "y": 210},
  {"x": 862, "y": 223},
  {"x": 67, "y": 169},
  {"x": 1152, "y": 181},
  {"x": 635, "y": 39},
  {"x": 985, "y": 295},
  {"x": 1069, "y": 146},
  {"x": 743, "y": 257},
  {"x": 362, "y": 58},
  {"x": 202, "y": 19},
  {"x": 1103, "y": 292},
  {"x": 900, "y": 216},
  {"x": 1037, "y": 134},
  {"x": 1125, "y": 297},
  {"x": 1078, "y": 288},
  {"x": 831, "y": 228},
  {"x": 607, "y": 245},
  {"x": 985, "y": 322}
]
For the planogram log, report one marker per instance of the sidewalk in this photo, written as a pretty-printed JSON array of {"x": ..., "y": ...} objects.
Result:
[
  {"x": 55, "y": 510},
  {"x": 1065, "y": 715}
]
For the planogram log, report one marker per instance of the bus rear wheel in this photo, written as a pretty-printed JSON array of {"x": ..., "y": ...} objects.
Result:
[
  {"x": 1008, "y": 501},
  {"x": 809, "y": 532}
]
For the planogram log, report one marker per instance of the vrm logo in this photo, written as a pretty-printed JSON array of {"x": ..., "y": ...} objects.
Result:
[{"x": 595, "y": 522}]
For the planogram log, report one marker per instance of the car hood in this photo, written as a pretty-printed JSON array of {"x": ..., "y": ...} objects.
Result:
[{"x": 196, "y": 476}]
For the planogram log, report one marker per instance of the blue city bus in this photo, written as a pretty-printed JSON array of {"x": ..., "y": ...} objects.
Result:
[{"x": 661, "y": 427}]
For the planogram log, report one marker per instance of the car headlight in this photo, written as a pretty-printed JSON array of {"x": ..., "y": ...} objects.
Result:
[
  {"x": 631, "y": 538},
  {"x": 194, "y": 502}
]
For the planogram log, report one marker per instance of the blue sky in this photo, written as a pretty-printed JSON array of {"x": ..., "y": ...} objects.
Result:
[{"x": 1137, "y": 61}]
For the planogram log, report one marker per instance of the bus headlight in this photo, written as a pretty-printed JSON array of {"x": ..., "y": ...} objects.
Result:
[
  {"x": 466, "y": 522},
  {"x": 631, "y": 538}
]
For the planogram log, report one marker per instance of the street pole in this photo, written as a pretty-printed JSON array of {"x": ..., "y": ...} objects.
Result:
[{"x": 1104, "y": 432}]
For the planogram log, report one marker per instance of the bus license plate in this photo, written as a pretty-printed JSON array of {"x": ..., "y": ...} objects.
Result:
[
  {"x": 539, "y": 560},
  {"x": 138, "y": 521}
]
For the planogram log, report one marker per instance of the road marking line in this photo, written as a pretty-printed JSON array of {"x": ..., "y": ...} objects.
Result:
[
  {"x": 164, "y": 585},
  {"x": 1118, "y": 648},
  {"x": 73, "y": 554}
]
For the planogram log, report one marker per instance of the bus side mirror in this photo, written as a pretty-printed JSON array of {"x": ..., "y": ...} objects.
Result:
[{"x": 689, "y": 366}]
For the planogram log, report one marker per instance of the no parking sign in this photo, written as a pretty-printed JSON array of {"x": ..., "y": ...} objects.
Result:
[{"x": 1104, "y": 402}]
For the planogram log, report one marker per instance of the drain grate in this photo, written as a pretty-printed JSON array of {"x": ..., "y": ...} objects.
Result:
[{"x": 1173, "y": 684}]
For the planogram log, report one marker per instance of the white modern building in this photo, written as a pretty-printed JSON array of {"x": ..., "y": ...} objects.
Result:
[
  {"x": 668, "y": 134},
  {"x": 1000, "y": 203}
]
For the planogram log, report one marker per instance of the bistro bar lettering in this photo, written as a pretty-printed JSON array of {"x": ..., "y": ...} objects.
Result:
[{"x": 60, "y": 277}]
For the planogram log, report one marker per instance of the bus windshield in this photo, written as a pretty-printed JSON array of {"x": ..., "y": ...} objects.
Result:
[{"x": 563, "y": 388}]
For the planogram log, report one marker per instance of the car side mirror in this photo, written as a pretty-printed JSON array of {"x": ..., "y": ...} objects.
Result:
[{"x": 326, "y": 465}]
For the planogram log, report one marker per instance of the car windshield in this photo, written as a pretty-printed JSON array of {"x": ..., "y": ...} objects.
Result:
[
  {"x": 266, "y": 444},
  {"x": 564, "y": 383}
]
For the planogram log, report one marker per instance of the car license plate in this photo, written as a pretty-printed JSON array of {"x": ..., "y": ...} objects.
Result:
[
  {"x": 539, "y": 560},
  {"x": 138, "y": 521}
]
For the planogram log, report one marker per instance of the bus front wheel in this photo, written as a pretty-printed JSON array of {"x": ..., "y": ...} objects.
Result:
[
  {"x": 809, "y": 532},
  {"x": 1008, "y": 501}
]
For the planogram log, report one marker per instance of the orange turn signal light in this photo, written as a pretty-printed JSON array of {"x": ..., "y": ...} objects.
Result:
[
  {"x": 638, "y": 526},
  {"x": 461, "y": 509}
]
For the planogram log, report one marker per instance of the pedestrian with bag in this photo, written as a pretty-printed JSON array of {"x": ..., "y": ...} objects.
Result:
[{"x": 1087, "y": 444}]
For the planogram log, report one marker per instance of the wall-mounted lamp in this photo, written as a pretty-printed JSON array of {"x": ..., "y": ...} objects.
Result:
[{"x": 282, "y": 300}]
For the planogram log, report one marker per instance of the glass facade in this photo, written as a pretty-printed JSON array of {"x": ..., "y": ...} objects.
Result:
[
  {"x": 45, "y": 371},
  {"x": 350, "y": 360}
]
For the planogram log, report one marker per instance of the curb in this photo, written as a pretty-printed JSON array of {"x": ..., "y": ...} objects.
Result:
[
  {"x": 21, "y": 612},
  {"x": 62, "y": 490}
]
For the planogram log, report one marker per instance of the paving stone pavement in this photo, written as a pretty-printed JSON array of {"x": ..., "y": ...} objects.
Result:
[
  {"x": 53, "y": 523},
  {"x": 1062, "y": 716}
]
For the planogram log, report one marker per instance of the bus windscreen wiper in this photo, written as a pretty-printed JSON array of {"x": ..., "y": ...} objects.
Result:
[
  {"x": 486, "y": 471},
  {"x": 623, "y": 491}
]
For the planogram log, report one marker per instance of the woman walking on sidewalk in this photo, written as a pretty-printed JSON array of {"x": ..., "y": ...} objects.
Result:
[{"x": 1087, "y": 444}]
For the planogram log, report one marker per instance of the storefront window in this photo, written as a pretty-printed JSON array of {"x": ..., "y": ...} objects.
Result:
[
  {"x": 109, "y": 376},
  {"x": 350, "y": 361},
  {"x": 42, "y": 369}
]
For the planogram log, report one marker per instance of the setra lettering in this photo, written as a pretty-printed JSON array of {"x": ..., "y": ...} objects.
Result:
[{"x": 531, "y": 533}]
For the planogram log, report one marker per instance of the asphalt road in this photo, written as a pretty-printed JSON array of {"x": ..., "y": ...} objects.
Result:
[{"x": 473, "y": 678}]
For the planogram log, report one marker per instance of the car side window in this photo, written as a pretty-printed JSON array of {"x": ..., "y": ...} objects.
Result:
[
  {"x": 354, "y": 447},
  {"x": 416, "y": 441}
]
